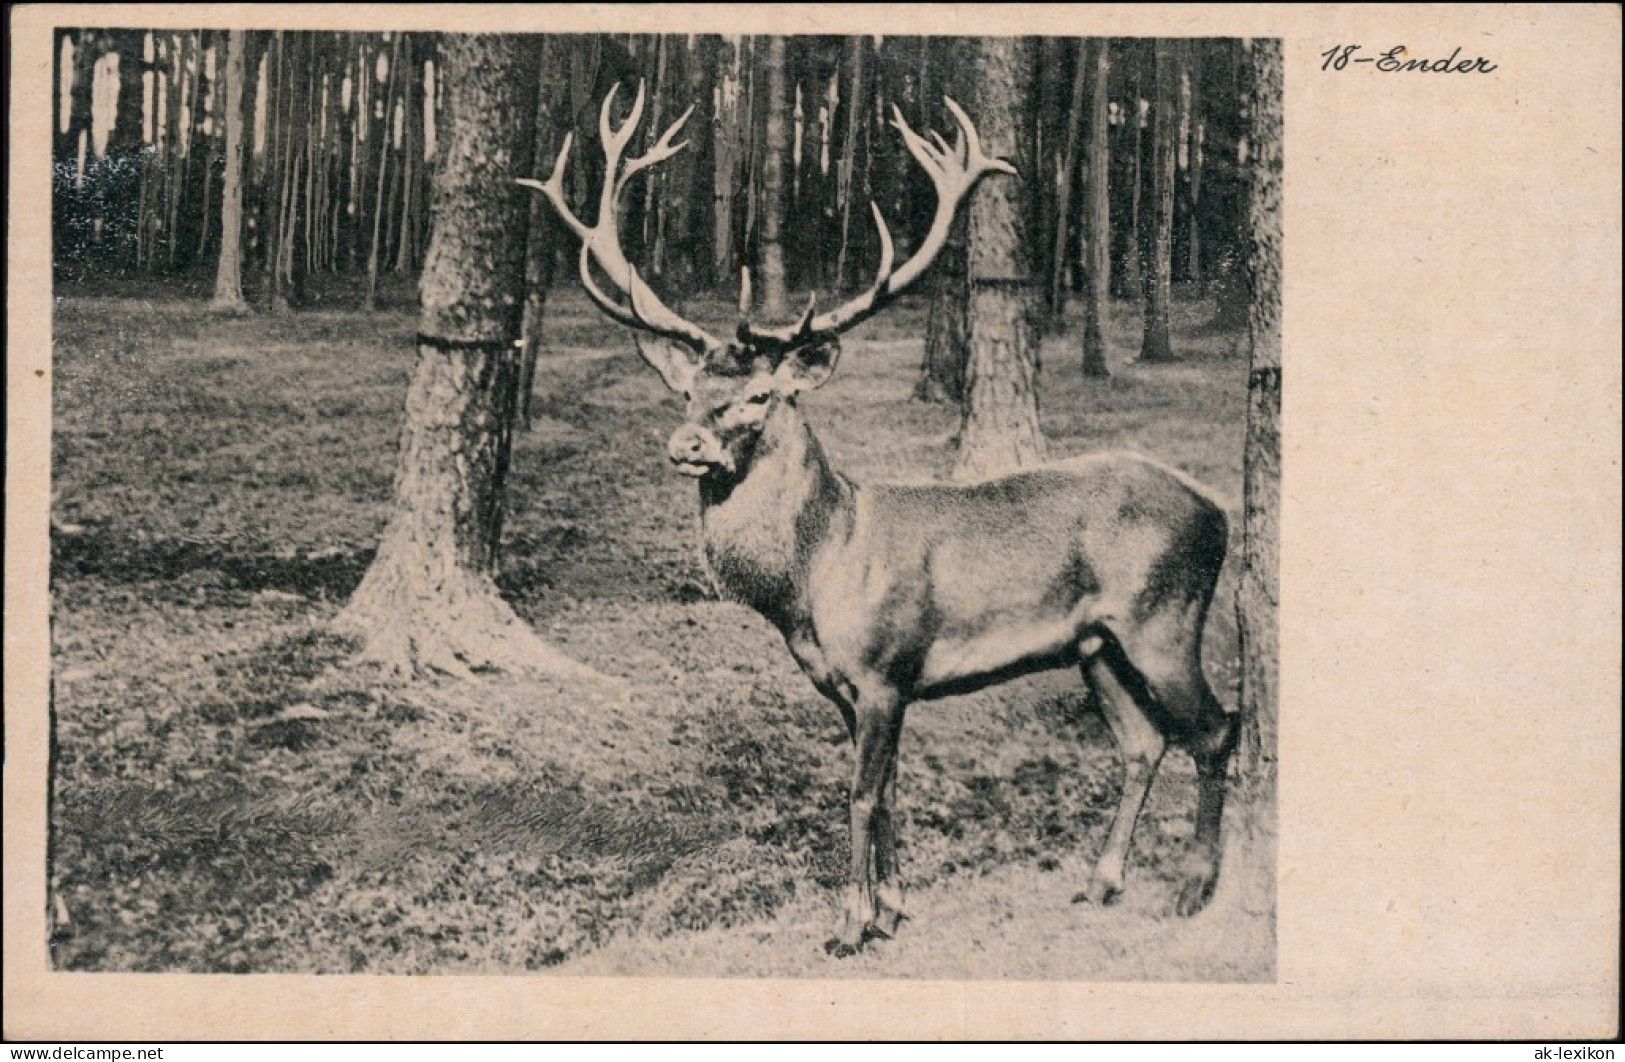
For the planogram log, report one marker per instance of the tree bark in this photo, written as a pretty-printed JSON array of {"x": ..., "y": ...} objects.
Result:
[
  {"x": 725, "y": 158},
  {"x": 542, "y": 240},
  {"x": 688, "y": 251},
  {"x": 380, "y": 206},
  {"x": 1056, "y": 301},
  {"x": 429, "y": 601},
  {"x": 775, "y": 190},
  {"x": 1095, "y": 246},
  {"x": 1157, "y": 261},
  {"x": 947, "y": 326},
  {"x": 228, "y": 278},
  {"x": 999, "y": 430},
  {"x": 846, "y": 182},
  {"x": 1253, "y": 840},
  {"x": 1130, "y": 276}
]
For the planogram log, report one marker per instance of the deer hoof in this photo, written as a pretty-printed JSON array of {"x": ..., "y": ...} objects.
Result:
[
  {"x": 840, "y": 949},
  {"x": 884, "y": 927},
  {"x": 1195, "y": 895},
  {"x": 1099, "y": 893}
]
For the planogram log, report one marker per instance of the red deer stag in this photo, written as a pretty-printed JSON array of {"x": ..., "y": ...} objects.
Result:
[{"x": 891, "y": 594}]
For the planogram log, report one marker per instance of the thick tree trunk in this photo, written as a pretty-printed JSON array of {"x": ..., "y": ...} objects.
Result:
[
  {"x": 429, "y": 601},
  {"x": 947, "y": 325},
  {"x": 1095, "y": 247},
  {"x": 999, "y": 430},
  {"x": 775, "y": 190},
  {"x": 1253, "y": 840},
  {"x": 228, "y": 277},
  {"x": 1157, "y": 262}
]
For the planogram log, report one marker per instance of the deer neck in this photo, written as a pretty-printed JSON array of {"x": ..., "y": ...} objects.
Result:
[{"x": 763, "y": 528}]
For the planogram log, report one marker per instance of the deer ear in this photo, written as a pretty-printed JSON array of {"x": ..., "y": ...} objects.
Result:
[
  {"x": 671, "y": 360},
  {"x": 808, "y": 366}
]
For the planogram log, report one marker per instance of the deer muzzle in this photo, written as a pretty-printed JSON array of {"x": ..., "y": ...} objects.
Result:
[{"x": 694, "y": 451}]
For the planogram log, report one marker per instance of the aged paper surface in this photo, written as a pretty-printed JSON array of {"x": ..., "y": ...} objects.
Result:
[{"x": 1449, "y": 798}]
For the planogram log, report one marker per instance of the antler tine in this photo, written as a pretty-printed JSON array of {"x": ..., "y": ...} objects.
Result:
[
  {"x": 601, "y": 243},
  {"x": 662, "y": 150},
  {"x": 975, "y": 161},
  {"x": 553, "y": 188},
  {"x": 804, "y": 326},
  {"x": 954, "y": 172}
]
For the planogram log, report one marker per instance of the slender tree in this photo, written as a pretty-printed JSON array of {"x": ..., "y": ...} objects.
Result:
[
  {"x": 947, "y": 325},
  {"x": 999, "y": 429},
  {"x": 542, "y": 240},
  {"x": 228, "y": 278},
  {"x": 775, "y": 189},
  {"x": 1060, "y": 223},
  {"x": 429, "y": 601},
  {"x": 725, "y": 157},
  {"x": 1253, "y": 844},
  {"x": 1156, "y": 261},
  {"x": 1095, "y": 246},
  {"x": 380, "y": 202}
]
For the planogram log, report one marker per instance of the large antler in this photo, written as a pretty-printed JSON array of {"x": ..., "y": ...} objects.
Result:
[
  {"x": 601, "y": 243},
  {"x": 954, "y": 171}
]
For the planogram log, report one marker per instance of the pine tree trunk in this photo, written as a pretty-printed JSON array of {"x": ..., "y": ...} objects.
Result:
[
  {"x": 847, "y": 167},
  {"x": 1132, "y": 149},
  {"x": 1056, "y": 301},
  {"x": 1095, "y": 246},
  {"x": 1253, "y": 839},
  {"x": 947, "y": 326},
  {"x": 775, "y": 190},
  {"x": 687, "y": 201},
  {"x": 999, "y": 431},
  {"x": 380, "y": 205},
  {"x": 542, "y": 240},
  {"x": 1193, "y": 184},
  {"x": 1157, "y": 262},
  {"x": 228, "y": 279},
  {"x": 725, "y": 158},
  {"x": 429, "y": 601},
  {"x": 1049, "y": 120}
]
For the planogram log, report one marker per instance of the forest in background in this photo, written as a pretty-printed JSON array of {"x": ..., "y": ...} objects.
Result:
[{"x": 338, "y": 134}]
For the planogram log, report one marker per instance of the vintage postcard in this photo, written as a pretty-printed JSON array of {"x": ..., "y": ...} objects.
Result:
[{"x": 813, "y": 521}]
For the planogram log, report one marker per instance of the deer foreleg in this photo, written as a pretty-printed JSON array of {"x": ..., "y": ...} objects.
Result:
[
  {"x": 1141, "y": 747},
  {"x": 879, "y": 721},
  {"x": 888, "y": 889}
]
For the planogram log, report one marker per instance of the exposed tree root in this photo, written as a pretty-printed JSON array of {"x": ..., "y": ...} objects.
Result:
[{"x": 455, "y": 626}]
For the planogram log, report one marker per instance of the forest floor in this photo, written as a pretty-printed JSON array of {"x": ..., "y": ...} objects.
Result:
[{"x": 231, "y": 794}]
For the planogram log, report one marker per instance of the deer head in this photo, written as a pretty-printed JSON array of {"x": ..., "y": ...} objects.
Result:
[{"x": 733, "y": 388}]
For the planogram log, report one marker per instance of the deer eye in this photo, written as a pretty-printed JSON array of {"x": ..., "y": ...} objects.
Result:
[{"x": 759, "y": 398}]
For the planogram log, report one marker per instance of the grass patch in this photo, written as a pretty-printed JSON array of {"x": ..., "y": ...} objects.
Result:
[{"x": 231, "y": 795}]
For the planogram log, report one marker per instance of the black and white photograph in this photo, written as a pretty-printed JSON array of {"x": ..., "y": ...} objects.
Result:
[
  {"x": 799, "y": 505},
  {"x": 459, "y": 563}
]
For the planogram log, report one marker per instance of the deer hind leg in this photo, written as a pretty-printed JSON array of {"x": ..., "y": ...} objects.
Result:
[
  {"x": 1211, "y": 742},
  {"x": 1123, "y": 700},
  {"x": 1193, "y": 717},
  {"x": 878, "y": 724}
]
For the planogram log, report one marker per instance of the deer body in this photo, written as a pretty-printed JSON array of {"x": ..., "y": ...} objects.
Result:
[
  {"x": 886, "y": 595},
  {"x": 940, "y": 589}
]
